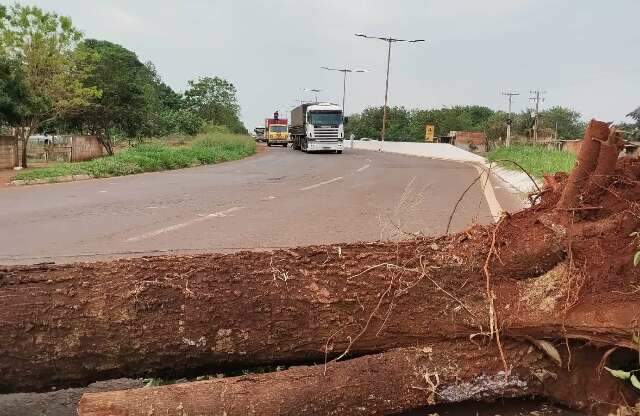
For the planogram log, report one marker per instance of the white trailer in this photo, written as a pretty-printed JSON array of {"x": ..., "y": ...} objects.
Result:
[{"x": 317, "y": 127}]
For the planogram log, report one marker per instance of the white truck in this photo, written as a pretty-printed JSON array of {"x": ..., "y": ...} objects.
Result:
[{"x": 317, "y": 127}]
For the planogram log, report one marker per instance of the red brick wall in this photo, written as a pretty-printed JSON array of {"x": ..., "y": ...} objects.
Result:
[{"x": 467, "y": 137}]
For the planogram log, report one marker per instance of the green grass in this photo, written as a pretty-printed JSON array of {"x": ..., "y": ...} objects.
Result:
[
  {"x": 535, "y": 159},
  {"x": 155, "y": 155}
]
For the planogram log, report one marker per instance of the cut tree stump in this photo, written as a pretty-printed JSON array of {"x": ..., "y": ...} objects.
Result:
[{"x": 595, "y": 133}]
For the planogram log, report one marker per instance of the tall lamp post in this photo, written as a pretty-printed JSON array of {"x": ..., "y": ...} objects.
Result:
[
  {"x": 314, "y": 90},
  {"x": 344, "y": 81},
  {"x": 389, "y": 41}
]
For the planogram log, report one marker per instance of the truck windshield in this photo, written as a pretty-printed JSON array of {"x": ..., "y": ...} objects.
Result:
[
  {"x": 278, "y": 129},
  {"x": 325, "y": 118}
]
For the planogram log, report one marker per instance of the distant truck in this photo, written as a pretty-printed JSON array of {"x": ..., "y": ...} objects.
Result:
[
  {"x": 317, "y": 127},
  {"x": 276, "y": 131},
  {"x": 259, "y": 131}
]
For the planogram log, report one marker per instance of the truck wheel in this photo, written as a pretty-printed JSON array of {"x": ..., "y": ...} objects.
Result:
[{"x": 339, "y": 152}]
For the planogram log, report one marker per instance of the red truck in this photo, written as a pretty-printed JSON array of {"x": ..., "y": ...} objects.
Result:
[{"x": 276, "y": 131}]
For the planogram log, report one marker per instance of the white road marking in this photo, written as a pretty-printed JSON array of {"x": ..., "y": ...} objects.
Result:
[
  {"x": 365, "y": 167},
  {"x": 268, "y": 198},
  {"x": 103, "y": 192},
  {"x": 489, "y": 194},
  {"x": 184, "y": 224},
  {"x": 339, "y": 178}
]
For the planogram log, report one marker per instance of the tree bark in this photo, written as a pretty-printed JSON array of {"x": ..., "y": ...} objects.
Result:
[
  {"x": 603, "y": 175},
  {"x": 175, "y": 316},
  {"x": 391, "y": 382},
  {"x": 596, "y": 132},
  {"x": 395, "y": 381}
]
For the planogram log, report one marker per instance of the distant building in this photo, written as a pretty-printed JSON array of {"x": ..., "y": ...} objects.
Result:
[{"x": 473, "y": 141}]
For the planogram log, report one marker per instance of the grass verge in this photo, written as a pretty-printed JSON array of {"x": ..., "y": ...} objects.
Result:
[
  {"x": 152, "y": 156},
  {"x": 535, "y": 159}
]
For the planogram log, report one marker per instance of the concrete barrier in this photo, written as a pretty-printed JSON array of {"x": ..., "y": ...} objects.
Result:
[{"x": 518, "y": 180}]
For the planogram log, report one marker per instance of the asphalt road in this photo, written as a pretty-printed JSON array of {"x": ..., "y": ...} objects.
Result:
[{"x": 279, "y": 198}]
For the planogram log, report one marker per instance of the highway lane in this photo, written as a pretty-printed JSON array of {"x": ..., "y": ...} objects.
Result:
[{"x": 279, "y": 198}]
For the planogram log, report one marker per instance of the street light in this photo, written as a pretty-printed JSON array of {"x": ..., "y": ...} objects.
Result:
[
  {"x": 344, "y": 81},
  {"x": 389, "y": 40},
  {"x": 313, "y": 90}
]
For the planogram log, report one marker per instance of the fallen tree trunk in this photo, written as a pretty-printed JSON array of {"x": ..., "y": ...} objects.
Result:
[
  {"x": 396, "y": 381},
  {"x": 538, "y": 273},
  {"x": 174, "y": 316}
]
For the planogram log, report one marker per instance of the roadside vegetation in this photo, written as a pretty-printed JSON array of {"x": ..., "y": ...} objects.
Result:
[
  {"x": 154, "y": 155},
  {"x": 534, "y": 159},
  {"x": 409, "y": 124},
  {"x": 96, "y": 87}
]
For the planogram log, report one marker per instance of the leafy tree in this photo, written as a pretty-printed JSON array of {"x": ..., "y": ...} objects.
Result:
[
  {"x": 13, "y": 91},
  {"x": 447, "y": 119},
  {"x": 567, "y": 122},
  {"x": 183, "y": 121},
  {"x": 495, "y": 127},
  {"x": 43, "y": 44},
  {"x": 369, "y": 124},
  {"x": 121, "y": 79},
  {"x": 215, "y": 101}
]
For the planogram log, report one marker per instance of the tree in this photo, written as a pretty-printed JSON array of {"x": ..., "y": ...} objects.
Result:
[
  {"x": 565, "y": 121},
  {"x": 215, "y": 101},
  {"x": 43, "y": 44},
  {"x": 369, "y": 124},
  {"x": 13, "y": 91},
  {"x": 495, "y": 127},
  {"x": 121, "y": 79}
]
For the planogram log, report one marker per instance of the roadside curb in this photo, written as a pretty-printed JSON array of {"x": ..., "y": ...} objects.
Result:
[{"x": 56, "y": 179}]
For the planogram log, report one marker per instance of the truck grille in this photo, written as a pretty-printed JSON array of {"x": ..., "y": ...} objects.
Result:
[{"x": 320, "y": 133}]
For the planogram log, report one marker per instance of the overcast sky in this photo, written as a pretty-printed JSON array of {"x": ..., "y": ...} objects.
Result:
[{"x": 583, "y": 53}]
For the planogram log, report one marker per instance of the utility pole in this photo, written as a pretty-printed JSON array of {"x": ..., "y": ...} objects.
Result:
[
  {"x": 344, "y": 81},
  {"x": 510, "y": 95},
  {"x": 536, "y": 97},
  {"x": 389, "y": 40}
]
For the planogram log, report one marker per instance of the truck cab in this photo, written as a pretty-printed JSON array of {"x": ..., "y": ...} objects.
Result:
[
  {"x": 259, "y": 131},
  {"x": 276, "y": 131},
  {"x": 318, "y": 127}
]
